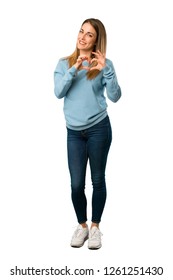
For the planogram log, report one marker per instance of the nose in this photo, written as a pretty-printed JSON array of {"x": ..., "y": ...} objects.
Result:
[{"x": 82, "y": 36}]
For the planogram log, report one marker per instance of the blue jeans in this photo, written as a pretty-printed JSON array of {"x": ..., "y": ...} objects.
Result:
[{"x": 91, "y": 144}]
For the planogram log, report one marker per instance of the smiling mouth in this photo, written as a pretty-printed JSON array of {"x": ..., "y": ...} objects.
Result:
[{"x": 82, "y": 43}]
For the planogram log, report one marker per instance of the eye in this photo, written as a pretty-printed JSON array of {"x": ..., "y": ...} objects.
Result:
[{"x": 90, "y": 35}]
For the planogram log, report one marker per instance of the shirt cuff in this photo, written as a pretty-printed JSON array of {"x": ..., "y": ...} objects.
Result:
[{"x": 73, "y": 71}]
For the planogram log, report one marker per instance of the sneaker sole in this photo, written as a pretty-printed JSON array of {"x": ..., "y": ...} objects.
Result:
[
  {"x": 79, "y": 246},
  {"x": 94, "y": 248}
]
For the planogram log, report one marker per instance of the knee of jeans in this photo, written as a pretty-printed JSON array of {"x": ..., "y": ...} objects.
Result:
[
  {"x": 77, "y": 186},
  {"x": 98, "y": 181}
]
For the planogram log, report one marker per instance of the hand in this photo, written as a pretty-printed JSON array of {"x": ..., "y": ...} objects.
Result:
[
  {"x": 79, "y": 61},
  {"x": 99, "y": 59}
]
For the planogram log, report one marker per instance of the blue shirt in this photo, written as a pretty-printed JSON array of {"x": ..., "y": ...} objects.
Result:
[{"x": 84, "y": 100}]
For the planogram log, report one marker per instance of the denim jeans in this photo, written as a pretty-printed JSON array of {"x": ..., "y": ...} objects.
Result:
[{"x": 90, "y": 145}]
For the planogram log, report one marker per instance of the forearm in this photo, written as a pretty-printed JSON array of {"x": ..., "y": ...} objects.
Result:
[
  {"x": 62, "y": 82},
  {"x": 112, "y": 87}
]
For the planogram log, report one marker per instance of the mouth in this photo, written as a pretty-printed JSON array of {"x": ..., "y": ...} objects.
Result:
[{"x": 81, "y": 43}]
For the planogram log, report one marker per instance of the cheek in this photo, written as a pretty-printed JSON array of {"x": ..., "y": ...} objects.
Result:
[
  {"x": 92, "y": 42},
  {"x": 78, "y": 38}
]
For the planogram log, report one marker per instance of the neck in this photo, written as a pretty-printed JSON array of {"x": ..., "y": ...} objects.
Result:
[{"x": 85, "y": 53}]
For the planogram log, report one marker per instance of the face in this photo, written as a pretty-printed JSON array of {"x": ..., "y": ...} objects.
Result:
[{"x": 87, "y": 37}]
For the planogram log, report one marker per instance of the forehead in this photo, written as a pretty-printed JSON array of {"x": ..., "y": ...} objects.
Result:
[{"x": 87, "y": 27}]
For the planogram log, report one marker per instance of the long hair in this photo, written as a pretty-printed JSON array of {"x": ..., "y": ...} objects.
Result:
[{"x": 100, "y": 45}]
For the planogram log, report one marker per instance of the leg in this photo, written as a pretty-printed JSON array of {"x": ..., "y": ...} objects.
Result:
[
  {"x": 77, "y": 161},
  {"x": 100, "y": 137}
]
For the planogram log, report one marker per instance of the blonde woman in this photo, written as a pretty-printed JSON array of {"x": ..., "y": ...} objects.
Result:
[{"x": 82, "y": 79}]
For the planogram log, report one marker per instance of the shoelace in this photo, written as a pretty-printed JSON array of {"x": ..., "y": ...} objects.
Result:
[
  {"x": 78, "y": 232},
  {"x": 95, "y": 234}
]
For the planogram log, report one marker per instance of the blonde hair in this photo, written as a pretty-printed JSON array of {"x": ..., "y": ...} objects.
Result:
[{"x": 100, "y": 45}]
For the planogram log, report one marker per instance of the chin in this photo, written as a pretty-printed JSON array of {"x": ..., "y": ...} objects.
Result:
[{"x": 80, "y": 47}]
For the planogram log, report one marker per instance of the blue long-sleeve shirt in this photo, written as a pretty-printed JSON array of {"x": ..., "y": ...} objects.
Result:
[{"x": 84, "y": 100}]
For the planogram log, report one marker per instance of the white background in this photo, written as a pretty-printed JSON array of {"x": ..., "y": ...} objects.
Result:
[{"x": 37, "y": 217}]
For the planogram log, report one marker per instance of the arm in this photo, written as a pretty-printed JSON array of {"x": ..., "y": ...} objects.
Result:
[
  {"x": 63, "y": 78},
  {"x": 109, "y": 76},
  {"x": 110, "y": 82}
]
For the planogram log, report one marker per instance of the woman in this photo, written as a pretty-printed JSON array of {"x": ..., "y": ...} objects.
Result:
[{"x": 81, "y": 80}]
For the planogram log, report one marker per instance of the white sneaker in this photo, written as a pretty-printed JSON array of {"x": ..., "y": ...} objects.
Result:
[
  {"x": 80, "y": 236},
  {"x": 94, "y": 241}
]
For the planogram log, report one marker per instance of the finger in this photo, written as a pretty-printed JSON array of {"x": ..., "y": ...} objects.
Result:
[
  {"x": 95, "y": 53},
  {"x": 98, "y": 53},
  {"x": 93, "y": 68},
  {"x": 83, "y": 57},
  {"x": 85, "y": 67},
  {"x": 94, "y": 59},
  {"x": 79, "y": 59}
]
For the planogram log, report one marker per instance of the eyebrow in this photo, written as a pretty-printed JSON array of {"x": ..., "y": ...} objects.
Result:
[{"x": 88, "y": 31}]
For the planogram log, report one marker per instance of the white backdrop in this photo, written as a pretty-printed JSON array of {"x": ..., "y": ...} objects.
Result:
[{"x": 37, "y": 217}]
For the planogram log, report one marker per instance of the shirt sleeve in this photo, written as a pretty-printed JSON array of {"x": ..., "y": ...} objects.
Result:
[
  {"x": 113, "y": 89},
  {"x": 63, "y": 77}
]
